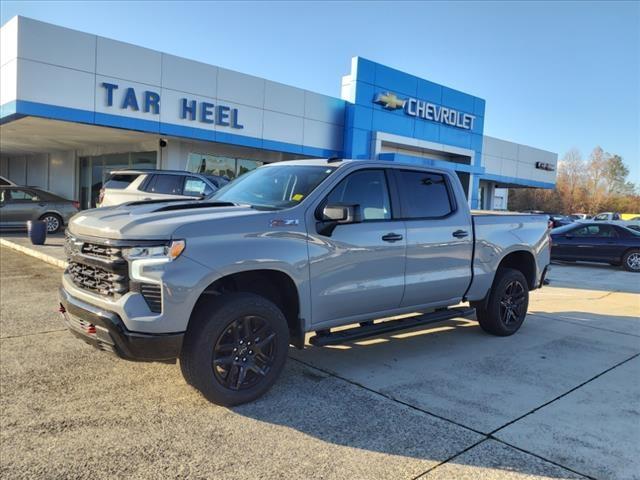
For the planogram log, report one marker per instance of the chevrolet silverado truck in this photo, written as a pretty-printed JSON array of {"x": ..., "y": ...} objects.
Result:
[{"x": 226, "y": 285}]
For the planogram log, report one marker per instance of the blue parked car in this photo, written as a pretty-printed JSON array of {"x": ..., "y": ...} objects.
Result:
[{"x": 597, "y": 242}]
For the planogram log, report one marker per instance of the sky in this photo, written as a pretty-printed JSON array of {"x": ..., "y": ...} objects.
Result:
[{"x": 555, "y": 75}]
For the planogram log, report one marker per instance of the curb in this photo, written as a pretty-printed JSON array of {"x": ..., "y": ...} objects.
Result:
[{"x": 33, "y": 253}]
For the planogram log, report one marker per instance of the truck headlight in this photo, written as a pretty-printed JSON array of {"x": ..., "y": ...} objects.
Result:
[
  {"x": 169, "y": 252},
  {"x": 146, "y": 263}
]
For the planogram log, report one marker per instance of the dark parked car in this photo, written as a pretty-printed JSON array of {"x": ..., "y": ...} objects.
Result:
[
  {"x": 597, "y": 242},
  {"x": 558, "y": 220},
  {"x": 555, "y": 219},
  {"x": 18, "y": 205}
]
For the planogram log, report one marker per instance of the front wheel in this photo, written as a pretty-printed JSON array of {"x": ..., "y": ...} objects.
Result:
[
  {"x": 506, "y": 308},
  {"x": 235, "y": 348},
  {"x": 53, "y": 222},
  {"x": 631, "y": 261}
]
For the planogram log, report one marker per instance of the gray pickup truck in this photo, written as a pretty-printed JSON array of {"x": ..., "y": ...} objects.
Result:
[{"x": 226, "y": 285}]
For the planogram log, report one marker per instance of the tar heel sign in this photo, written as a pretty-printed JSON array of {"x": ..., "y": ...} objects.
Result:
[
  {"x": 128, "y": 99},
  {"x": 426, "y": 110}
]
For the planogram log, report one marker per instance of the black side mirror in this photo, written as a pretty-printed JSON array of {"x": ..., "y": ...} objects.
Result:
[{"x": 330, "y": 216}]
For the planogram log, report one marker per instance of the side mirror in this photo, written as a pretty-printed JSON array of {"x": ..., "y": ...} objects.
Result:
[{"x": 333, "y": 215}]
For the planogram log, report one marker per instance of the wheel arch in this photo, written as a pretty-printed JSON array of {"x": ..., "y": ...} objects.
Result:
[
  {"x": 523, "y": 261},
  {"x": 274, "y": 285},
  {"x": 52, "y": 212}
]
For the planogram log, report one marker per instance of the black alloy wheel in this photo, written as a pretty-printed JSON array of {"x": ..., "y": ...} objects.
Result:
[
  {"x": 511, "y": 303},
  {"x": 504, "y": 310},
  {"x": 235, "y": 347},
  {"x": 245, "y": 353}
]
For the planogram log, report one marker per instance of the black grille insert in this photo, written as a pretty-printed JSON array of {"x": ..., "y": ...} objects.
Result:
[
  {"x": 98, "y": 279},
  {"x": 151, "y": 293}
]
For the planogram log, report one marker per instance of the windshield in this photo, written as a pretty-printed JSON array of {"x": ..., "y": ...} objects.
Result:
[{"x": 274, "y": 187}]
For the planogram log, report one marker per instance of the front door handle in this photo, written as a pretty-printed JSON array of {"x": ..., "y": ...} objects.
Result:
[
  {"x": 460, "y": 233},
  {"x": 392, "y": 237}
]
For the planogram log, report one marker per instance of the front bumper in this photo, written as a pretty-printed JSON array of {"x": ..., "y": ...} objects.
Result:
[{"x": 105, "y": 330}]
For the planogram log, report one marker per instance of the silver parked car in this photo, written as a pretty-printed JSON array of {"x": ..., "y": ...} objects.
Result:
[{"x": 18, "y": 205}]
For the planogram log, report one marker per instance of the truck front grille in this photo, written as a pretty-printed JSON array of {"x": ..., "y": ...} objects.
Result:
[
  {"x": 101, "y": 268},
  {"x": 99, "y": 280},
  {"x": 102, "y": 251}
]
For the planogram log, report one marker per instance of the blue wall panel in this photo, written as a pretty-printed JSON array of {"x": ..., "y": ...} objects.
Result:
[
  {"x": 372, "y": 79},
  {"x": 395, "y": 80},
  {"x": 429, "y": 91},
  {"x": 392, "y": 123}
]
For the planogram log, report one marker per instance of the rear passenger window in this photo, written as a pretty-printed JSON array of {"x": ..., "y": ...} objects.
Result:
[
  {"x": 167, "y": 184},
  {"x": 424, "y": 195},
  {"x": 120, "y": 180}
]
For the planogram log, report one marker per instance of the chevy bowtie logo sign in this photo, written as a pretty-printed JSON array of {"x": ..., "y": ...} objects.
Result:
[
  {"x": 425, "y": 110},
  {"x": 389, "y": 101}
]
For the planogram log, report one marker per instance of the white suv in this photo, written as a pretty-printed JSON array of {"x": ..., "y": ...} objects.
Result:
[{"x": 137, "y": 185}]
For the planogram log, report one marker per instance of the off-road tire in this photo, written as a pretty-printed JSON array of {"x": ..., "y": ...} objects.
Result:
[
  {"x": 492, "y": 316},
  {"x": 222, "y": 319}
]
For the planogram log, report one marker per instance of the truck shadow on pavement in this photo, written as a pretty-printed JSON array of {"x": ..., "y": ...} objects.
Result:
[{"x": 394, "y": 395}]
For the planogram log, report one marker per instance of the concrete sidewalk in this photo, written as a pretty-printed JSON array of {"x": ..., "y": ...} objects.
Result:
[{"x": 51, "y": 252}]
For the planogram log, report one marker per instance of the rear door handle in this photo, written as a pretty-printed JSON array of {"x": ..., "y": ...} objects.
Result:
[
  {"x": 460, "y": 233},
  {"x": 392, "y": 237}
]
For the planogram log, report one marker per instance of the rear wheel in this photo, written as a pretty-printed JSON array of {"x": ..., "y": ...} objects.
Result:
[
  {"x": 235, "y": 349},
  {"x": 506, "y": 308},
  {"x": 631, "y": 261},
  {"x": 53, "y": 222}
]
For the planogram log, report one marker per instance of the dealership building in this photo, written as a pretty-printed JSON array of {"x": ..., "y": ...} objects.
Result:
[{"x": 75, "y": 106}]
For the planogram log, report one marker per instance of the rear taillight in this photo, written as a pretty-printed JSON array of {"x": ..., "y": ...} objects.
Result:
[{"x": 76, "y": 204}]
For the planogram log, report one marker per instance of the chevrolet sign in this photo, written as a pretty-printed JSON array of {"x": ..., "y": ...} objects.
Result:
[{"x": 426, "y": 110}]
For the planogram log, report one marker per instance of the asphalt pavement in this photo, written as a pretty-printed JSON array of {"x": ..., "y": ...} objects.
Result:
[{"x": 560, "y": 399}]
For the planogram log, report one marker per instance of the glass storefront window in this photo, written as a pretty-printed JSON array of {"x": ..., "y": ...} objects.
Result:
[
  {"x": 95, "y": 170},
  {"x": 222, "y": 166},
  {"x": 212, "y": 165},
  {"x": 245, "y": 166}
]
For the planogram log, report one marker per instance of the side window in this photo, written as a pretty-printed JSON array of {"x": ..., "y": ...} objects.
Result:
[
  {"x": 424, "y": 195},
  {"x": 605, "y": 231},
  {"x": 194, "y": 187},
  {"x": 594, "y": 231},
  {"x": 168, "y": 184},
  {"x": 23, "y": 195},
  {"x": 367, "y": 188}
]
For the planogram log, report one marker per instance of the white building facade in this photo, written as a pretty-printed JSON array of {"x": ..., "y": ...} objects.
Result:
[{"x": 75, "y": 106}]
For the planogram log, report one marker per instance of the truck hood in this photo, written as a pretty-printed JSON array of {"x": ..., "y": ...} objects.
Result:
[{"x": 150, "y": 220}]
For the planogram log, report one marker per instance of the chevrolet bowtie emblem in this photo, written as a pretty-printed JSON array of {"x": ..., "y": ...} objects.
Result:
[{"x": 389, "y": 101}]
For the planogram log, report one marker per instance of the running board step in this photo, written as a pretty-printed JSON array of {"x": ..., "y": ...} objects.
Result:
[{"x": 357, "y": 333}]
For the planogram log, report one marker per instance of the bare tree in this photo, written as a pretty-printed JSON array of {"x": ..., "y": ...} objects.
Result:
[
  {"x": 600, "y": 184},
  {"x": 571, "y": 180},
  {"x": 595, "y": 184}
]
